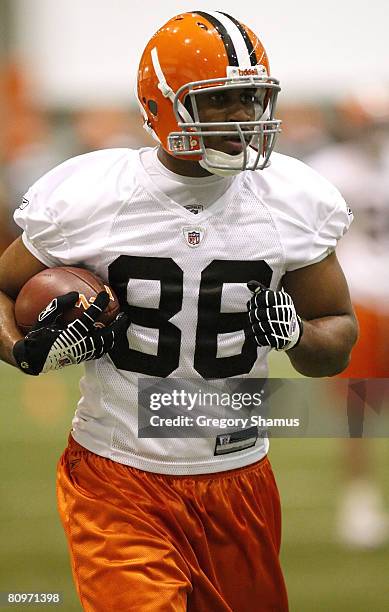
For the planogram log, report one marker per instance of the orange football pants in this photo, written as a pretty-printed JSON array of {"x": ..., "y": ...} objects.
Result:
[
  {"x": 145, "y": 542},
  {"x": 370, "y": 355}
]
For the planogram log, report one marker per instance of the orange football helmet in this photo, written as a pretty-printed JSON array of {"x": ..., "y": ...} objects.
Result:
[{"x": 206, "y": 50}]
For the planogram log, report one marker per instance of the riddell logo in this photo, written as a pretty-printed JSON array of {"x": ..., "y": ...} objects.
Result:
[
  {"x": 248, "y": 72},
  {"x": 239, "y": 72}
]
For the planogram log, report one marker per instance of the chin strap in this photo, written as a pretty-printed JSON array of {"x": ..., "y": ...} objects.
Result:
[
  {"x": 165, "y": 88},
  {"x": 166, "y": 91},
  {"x": 218, "y": 158},
  {"x": 146, "y": 124}
]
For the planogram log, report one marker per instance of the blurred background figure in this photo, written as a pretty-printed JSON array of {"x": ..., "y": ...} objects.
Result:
[
  {"x": 35, "y": 138},
  {"x": 105, "y": 128},
  {"x": 357, "y": 162},
  {"x": 304, "y": 127},
  {"x": 27, "y": 148}
]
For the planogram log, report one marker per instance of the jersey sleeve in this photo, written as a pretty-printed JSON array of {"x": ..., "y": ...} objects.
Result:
[
  {"x": 309, "y": 212},
  {"x": 333, "y": 228},
  {"x": 322, "y": 239},
  {"x": 65, "y": 214},
  {"x": 37, "y": 216}
]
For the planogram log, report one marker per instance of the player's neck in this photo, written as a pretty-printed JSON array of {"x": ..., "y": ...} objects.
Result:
[{"x": 181, "y": 166}]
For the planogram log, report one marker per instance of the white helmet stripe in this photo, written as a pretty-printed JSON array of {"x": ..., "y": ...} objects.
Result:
[{"x": 236, "y": 37}]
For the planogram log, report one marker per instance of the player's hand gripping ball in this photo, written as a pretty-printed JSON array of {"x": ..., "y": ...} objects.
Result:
[
  {"x": 49, "y": 347},
  {"x": 47, "y": 285},
  {"x": 53, "y": 343},
  {"x": 273, "y": 318}
]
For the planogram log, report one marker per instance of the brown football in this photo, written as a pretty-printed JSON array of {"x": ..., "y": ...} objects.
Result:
[{"x": 38, "y": 292}]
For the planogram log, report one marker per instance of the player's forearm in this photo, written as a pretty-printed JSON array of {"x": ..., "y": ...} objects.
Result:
[
  {"x": 9, "y": 332},
  {"x": 325, "y": 346}
]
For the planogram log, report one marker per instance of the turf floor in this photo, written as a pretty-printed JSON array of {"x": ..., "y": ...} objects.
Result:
[{"x": 321, "y": 575}]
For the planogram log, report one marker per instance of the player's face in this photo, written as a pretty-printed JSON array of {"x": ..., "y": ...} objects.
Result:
[{"x": 229, "y": 105}]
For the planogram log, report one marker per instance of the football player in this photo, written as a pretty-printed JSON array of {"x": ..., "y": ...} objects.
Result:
[{"x": 219, "y": 251}]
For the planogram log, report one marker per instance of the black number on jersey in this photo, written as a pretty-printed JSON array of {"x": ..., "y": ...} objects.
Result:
[
  {"x": 210, "y": 323},
  {"x": 170, "y": 276}
]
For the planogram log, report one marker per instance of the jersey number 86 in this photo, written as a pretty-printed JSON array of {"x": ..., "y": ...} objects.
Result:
[{"x": 210, "y": 321}]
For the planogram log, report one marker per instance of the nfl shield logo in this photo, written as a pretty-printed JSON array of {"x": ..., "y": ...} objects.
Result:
[
  {"x": 193, "y": 238},
  {"x": 193, "y": 235}
]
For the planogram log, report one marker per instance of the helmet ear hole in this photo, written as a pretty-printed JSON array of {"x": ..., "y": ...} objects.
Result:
[
  {"x": 202, "y": 25},
  {"x": 153, "y": 107}
]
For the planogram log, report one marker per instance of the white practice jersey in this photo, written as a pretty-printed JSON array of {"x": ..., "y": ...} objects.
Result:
[{"x": 183, "y": 277}]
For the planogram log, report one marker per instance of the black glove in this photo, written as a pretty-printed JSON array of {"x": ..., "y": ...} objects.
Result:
[
  {"x": 51, "y": 347},
  {"x": 273, "y": 318}
]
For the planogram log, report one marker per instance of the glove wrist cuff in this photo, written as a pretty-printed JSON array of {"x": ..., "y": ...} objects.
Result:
[
  {"x": 19, "y": 353},
  {"x": 297, "y": 334}
]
